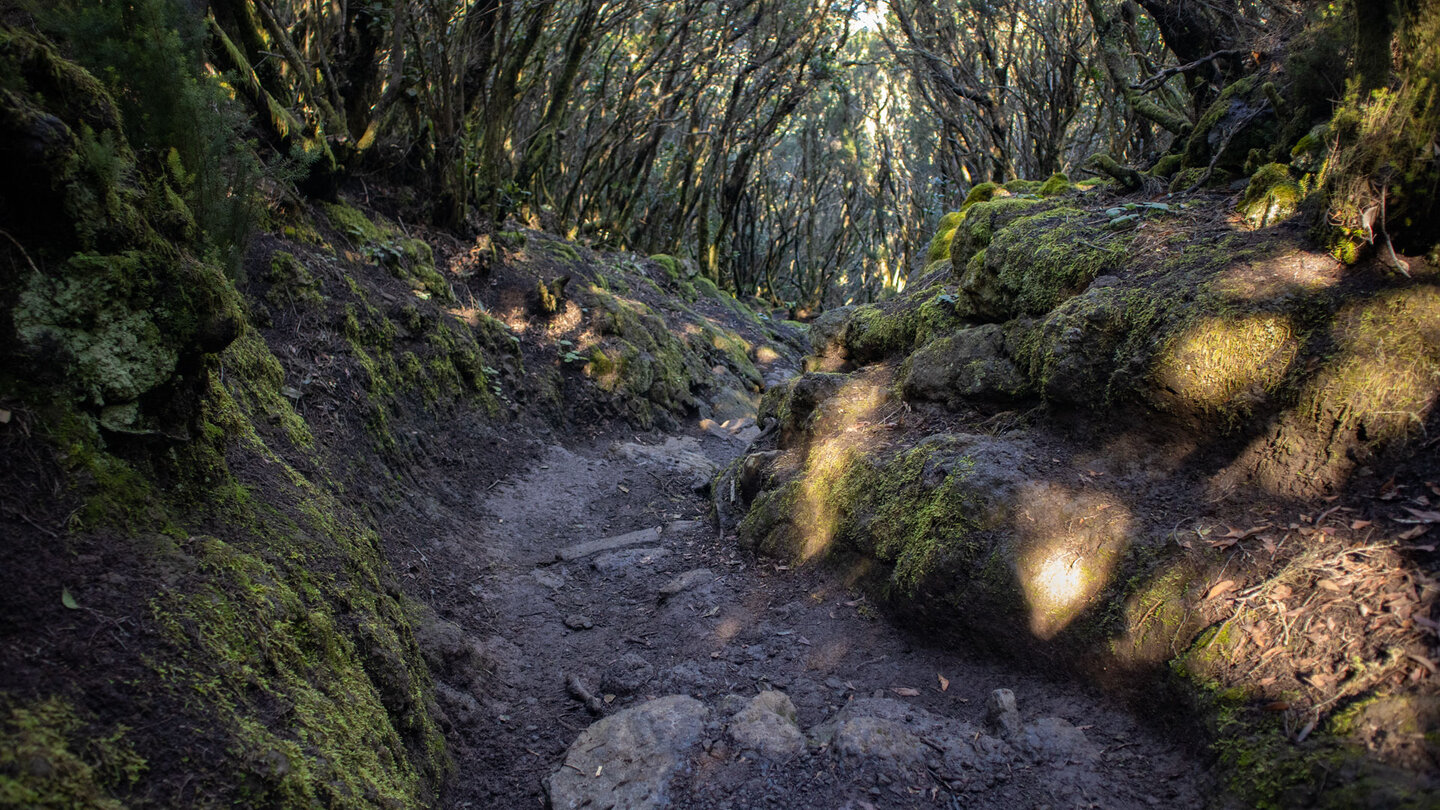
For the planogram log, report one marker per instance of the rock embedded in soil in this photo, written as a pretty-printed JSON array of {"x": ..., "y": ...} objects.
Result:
[
  {"x": 1001, "y": 714},
  {"x": 578, "y": 621},
  {"x": 628, "y": 759},
  {"x": 680, "y": 456},
  {"x": 1055, "y": 739},
  {"x": 619, "y": 562},
  {"x": 686, "y": 581},
  {"x": 767, "y": 726},
  {"x": 585, "y": 549},
  {"x": 627, "y": 675}
]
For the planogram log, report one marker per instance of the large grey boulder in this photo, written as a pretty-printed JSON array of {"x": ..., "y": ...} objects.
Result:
[{"x": 627, "y": 759}]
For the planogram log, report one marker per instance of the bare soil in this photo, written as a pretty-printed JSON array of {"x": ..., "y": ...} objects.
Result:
[{"x": 755, "y": 626}]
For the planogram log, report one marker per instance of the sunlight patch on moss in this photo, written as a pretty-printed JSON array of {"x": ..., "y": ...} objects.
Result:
[{"x": 1225, "y": 365}]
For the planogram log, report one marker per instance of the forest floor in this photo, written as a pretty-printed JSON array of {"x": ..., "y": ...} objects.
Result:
[{"x": 670, "y": 607}]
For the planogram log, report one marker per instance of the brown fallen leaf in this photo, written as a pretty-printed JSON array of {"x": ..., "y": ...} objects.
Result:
[
  {"x": 905, "y": 691},
  {"x": 1329, "y": 585},
  {"x": 1412, "y": 533},
  {"x": 944, "y": 682},
  {"x": 1424, "y": 662},
  {"x": 1282, "y": 591},
  {"x": 1388, "y": 490},
  {"x": 1360, "y": 524},
  {"x": 1421, "y": 516},
  {"x": 1221, "y": 587}
]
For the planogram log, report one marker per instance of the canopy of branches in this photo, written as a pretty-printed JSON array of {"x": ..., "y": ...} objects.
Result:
[{"x": 802, "y": 150}]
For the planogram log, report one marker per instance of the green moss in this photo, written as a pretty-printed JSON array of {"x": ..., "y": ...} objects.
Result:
[
  {"x": 1058, "y": 183},
  {"x": 1222, "y": 366},
  {"x": 669, "y": 264},
  {"x": 512, "y": 239},
  {"x": 350, "y": 221},
  {"x": 48, "y": 759},
  {"x": 1166, "y": 166},
  {"x": 290, "y": 282},
  {"x": 909, "y": 521},
  {"x": 1186, "y": 179},
  {"x": 411, "y": 260},
  {"x": 1035, "y": 262},
  {"x": 1270, "y": 197},
  {"x": 560, "y": 250},
  {"x": 1023, "y": 186},
  {"x": 707, "y": 288},
  {"x": 944, "y": 232},
  {"x": 643, "y": 363},
  {"x": 260, "y": 387},
  {"x": 1382, "y": 375},
  {"x": 981, "y": 221},
  {"x": 269, "y": 634},
  {"x": 981, "y": 192}
]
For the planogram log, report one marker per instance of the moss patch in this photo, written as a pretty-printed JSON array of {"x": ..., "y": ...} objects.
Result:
[
  {"x": 1035, "y": 262},
  {"x": 1270, "y": 197},
  {"x": 49, "y": 759}
]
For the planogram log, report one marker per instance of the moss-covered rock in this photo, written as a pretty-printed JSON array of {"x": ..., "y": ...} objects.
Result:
[
  {"x": 1058, "y": 183},
  {"x": 1240, "y": 119},
  {"x": 981, "y": 221},
  {"x": 972, "y": 363},
  {"x": 1270, "y": 197},
  {"x": 1034, "y": 262},
  {"x": 982, "y": 192},
  {"x": 1166, "y": 166},
  {"x": 939, "y": 250},
  {"x": 640, "y": 361}
]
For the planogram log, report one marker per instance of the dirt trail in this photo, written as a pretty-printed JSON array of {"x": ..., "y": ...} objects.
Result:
[{"x": 675, "y": 609}]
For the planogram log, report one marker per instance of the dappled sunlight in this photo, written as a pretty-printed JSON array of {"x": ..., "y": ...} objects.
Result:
[
  {"x": 565, "y": 321},
  {"x": 471, "y": 315},
  {"x": 845, "y": 428},
  {"x": 728, "y": 629},
  {"x": 1378, "y": 387},
  {"x": 1070, "y": 543},
  {"x": 1222, "y": 364},
  {"x": 1275, "y": 277}
]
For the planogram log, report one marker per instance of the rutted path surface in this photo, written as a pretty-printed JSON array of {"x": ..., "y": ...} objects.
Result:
[{"x": 603, "y": 595}]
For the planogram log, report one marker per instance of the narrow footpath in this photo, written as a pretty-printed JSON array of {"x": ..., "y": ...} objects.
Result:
[{"x": 610, "y": 650}]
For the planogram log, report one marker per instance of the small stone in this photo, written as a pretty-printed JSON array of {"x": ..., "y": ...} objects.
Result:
[
  {"x": 1001, "y": 714},
  {"x": 548, "y": 578},
  {"x": 686, "y": 581},
  {"x": 578, "y": 621},
  {"x": 767, "y": 726}
]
